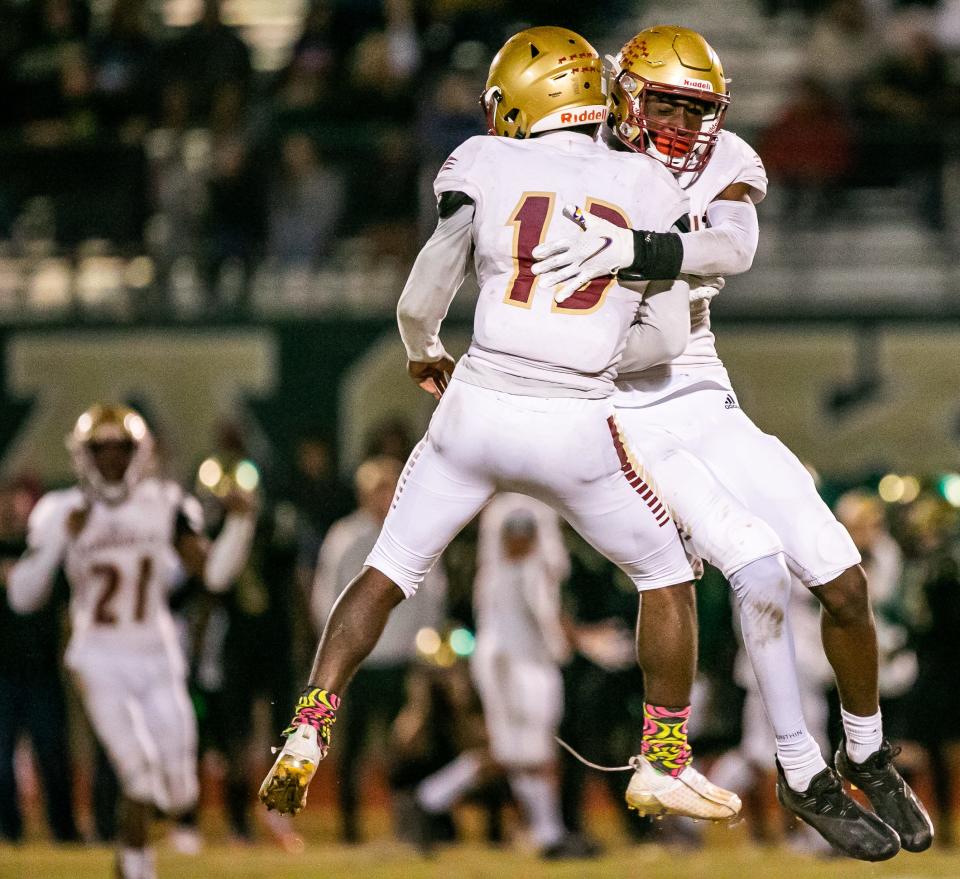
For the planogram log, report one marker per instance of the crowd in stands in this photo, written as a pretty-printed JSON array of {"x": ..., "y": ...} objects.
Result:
[
  {"x": 876, "y": 105},
  {"x": 123, "y": 135}
]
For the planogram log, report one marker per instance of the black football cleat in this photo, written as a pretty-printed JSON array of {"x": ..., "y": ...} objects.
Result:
[
  {"x": 840, "y": 820},
  {"x": 891, "y": 797}
]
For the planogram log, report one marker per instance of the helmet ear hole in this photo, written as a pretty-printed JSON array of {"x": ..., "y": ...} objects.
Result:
[{"x": 512, "y": 115}]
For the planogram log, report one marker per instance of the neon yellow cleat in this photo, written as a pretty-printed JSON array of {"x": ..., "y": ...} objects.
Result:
[{"x": 285, "y": 787}]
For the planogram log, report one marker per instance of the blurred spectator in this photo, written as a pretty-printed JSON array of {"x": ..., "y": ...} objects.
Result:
[
  {"x": 54, "y": 32},
  {"x": 907, "y": 106},
  {"x": 124, "y": 61},
  {"x": 387, "y": 215},
  {"x": 32, "y": 699},
  {"x": 864, "y": 516},
  {"x": 305, "y": 206},
  {"x": 440, "y": 728},
  {"x": 205, "y": 57},
  {"x": 932, "y": 579},
  {"x": 390, "y": 437},
  {"x": 235, "y": 199},
  {"x": 376, "y": 693},
  {"x": 604, "y": 675},
  {"x": 809, "y": 149},
  {"x": 317, "y": 48},
  {"x": 448, "y": 114},
  {"x": 843, "y": 46},
  {"x": 319, "y": 498},
  {"x": 947, "y": 28}
]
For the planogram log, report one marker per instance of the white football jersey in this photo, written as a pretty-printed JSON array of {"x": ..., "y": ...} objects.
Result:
[
  {"x": 522, "y": 340},
  {"x": 733, "y": 161},
  {"x": 517, "y": 601},
  {"x": 122, "y": 565}
]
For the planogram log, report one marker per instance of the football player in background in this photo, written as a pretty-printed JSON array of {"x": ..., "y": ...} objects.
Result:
[
  {"x": 528, "y": 406},
  {"x": 747, "y": 504},
  {"x": 520, "y": 645},
  {"x": 124, "y": 537}
]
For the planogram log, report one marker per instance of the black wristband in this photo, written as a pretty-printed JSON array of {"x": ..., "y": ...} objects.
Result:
[{"x": 656, "y": 257}]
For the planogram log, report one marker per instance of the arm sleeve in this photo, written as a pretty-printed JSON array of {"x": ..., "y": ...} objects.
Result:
[
  {"x": 31, "y": 579},
  {"x": 663, "y": 329},
  {"x": 436, "y": 276},
  {"x": 229, "y": 553},
  {"x": 728, "y": 246}
]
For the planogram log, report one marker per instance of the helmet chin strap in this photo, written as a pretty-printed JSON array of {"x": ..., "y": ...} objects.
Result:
[
  {"x": 611, "y": 70},
  {"x": 489, "y": 100}
]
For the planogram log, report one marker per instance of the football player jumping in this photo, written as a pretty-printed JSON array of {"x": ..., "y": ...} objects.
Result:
[
  {"x": 745, "y": 502},
  {"x": 124, "y": 538},
  {"x": 528, "y": 408}
]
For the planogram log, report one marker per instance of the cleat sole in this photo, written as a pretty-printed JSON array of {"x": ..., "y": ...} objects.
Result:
[{"x": 285, "y": 788}]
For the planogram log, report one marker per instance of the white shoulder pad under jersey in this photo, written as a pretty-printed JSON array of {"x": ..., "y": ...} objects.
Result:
[
  {"x": 520, "y": 188},
  {"x": 459, "y": 173},
  {"x": 733, "y": 161}
]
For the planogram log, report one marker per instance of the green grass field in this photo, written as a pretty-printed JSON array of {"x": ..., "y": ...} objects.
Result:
[
  {"x": 727, "y": 855},
  {"x": 390, "y": 861}
]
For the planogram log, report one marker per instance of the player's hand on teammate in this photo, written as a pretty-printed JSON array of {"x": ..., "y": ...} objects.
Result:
[
  {"x": 432, "y": 377},
  {"x": 77, "y": 520},
  {"x": 568, "y": 263}
]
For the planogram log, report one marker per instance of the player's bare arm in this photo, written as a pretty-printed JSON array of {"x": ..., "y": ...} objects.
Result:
[{"x": 218, "y": 563}]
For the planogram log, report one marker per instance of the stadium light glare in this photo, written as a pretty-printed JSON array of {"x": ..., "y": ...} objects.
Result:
[
  {"x": 891, "y": 488},
  {"x": 950, "y": 488},
  {"x": 911, "y": 489},
  {"x": 247, "y": 476},
  {"x": 428, "y": 641},
  {"x": 210, "y": 473},
  {"x": 462, "y": 642}
]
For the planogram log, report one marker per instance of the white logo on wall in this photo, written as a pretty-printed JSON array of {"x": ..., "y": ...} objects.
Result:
[{"x": 188, "y": 381}]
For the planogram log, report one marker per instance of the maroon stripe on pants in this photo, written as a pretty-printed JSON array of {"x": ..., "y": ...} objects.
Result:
[{"x": 633, "y": 478}]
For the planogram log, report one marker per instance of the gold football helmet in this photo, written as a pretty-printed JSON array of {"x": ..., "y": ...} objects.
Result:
[
  {"x": 105, "y": 423},
  {"x": 673, "y": 62},
  {"x": 542, "y": 79}
]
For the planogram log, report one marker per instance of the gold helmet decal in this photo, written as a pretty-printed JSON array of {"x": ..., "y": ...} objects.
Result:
[
  {"x": 105, "y": 423},
  {"x": 662, "y": 66},
  {"x": 542, "y": 79}
]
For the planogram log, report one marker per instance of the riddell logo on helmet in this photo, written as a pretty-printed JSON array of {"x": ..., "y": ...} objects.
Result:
[
  {"x": 697, "y": 84},
  {"x": 593, "y": 114}
]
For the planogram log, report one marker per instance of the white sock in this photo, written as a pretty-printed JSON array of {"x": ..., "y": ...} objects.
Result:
[
  {"x": 137, "y": 863},
  {"x": 801, "y": 760},
  {"x": 864, "y": 734},
  {"x": 540, "y": 802},
  {"x": 438, "y": 792}
]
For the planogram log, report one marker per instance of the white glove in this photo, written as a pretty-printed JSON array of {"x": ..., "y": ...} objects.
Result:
[
  {"x": 704, "y": 289},
  {"x": 568, "y": 263}
]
